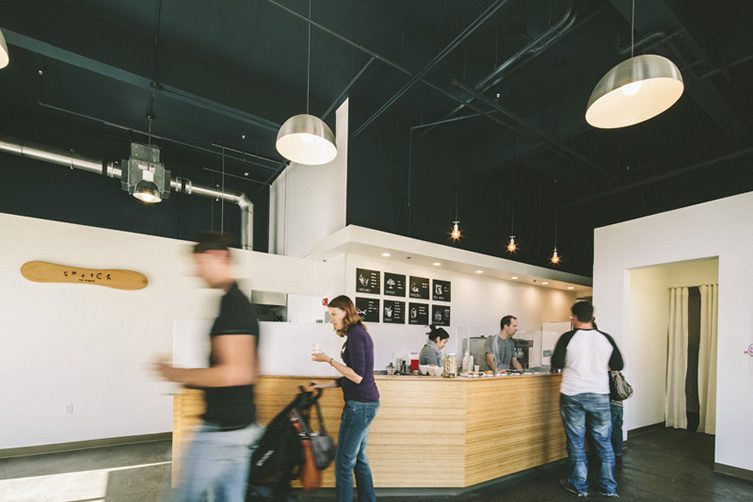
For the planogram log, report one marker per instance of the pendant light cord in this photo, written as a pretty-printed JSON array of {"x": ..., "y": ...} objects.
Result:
[
  {"x": 632, "y": 32},
  {"x": 308, "y": 63},
  {"x": 456, "y": 194},
  {"x": 222, "y": 203}
]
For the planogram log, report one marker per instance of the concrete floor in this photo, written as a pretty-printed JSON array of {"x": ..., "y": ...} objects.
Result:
[{"x": 659, "y": 465}]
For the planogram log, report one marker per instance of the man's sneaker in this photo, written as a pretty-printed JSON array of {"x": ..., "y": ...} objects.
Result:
[
  {"x": 612, "y": 495},
  {"x": 570, "y": 488}
]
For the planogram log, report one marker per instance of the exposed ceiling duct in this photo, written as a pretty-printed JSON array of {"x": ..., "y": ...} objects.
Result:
[{"x": 142, "y": 159}]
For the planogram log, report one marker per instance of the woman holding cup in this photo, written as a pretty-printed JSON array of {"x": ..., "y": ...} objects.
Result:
[{"x": 361, "y": 399}]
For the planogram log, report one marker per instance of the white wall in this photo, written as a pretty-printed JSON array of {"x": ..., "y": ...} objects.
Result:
[
  {"x": 477, "y": 306},
  {"x": 307, "y": 203},
  {"x": 719, "y": 228},
  {"x": 648, "y": 319},
  {"x": 91, "y": 346}
]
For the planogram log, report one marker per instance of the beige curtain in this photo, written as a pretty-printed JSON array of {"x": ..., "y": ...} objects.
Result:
[
  {"x": 707, "y": 359},
  {"x": 675, "y": 412}
]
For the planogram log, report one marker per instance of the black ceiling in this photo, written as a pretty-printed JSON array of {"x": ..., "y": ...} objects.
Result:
[{"x": 228, "y": 73}]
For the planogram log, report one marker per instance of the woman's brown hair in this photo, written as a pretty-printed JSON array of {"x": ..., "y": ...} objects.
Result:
[{"x": 351, "y": 318}]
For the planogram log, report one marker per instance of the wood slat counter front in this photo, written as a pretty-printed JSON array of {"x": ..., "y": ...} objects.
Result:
[{"x": 430, "y": 432}]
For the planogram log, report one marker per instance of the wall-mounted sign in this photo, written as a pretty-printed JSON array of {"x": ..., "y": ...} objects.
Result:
[
  {"x": 393, "y": 312},
  {"x": 441, "y": 290},
  {"x": 440, "y": 315},
  {"x": 368, "y": 281},
  {"x": 418, "y": 313},
  {"x": 394, "y": 284},
  {"x": 419, "y": 288},
  {"x": 368, "y": 309},
  {"x": 42, "y": 271}
]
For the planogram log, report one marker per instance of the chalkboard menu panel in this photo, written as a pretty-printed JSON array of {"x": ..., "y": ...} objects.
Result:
[
  {"x": 419, "y": 288},
  {"x": 368, "y": 309},
  {"x": 418, "y": 313},
  {"x": 441, "y": 290},
  {"x": 440, "y": 315},
  {"x": 393, "y": 312},
  {"x": 394, "y": 284},
  {"x": 368, "y": 281}
]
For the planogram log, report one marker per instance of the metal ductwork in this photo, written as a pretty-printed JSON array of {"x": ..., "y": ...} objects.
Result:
[{"x": 111, "y": 170}]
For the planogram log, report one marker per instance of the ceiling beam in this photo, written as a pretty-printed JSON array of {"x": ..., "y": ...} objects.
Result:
[{"x": 113, "y": 72}]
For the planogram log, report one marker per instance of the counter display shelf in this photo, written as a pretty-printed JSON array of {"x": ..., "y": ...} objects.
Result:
[{"x": 430, "y": 432}]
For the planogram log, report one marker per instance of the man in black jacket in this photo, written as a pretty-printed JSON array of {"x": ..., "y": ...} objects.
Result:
[{"x": 586, "y": 355}]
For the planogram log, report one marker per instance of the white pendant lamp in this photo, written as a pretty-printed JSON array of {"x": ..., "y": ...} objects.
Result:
[
  {"x": 634, "y": 91},
  {"x": 4, "y": 57},
  {"x": 304, "y": 138}
]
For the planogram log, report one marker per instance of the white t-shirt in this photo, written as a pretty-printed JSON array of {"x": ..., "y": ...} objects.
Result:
[{"x": 586, "y": 364}]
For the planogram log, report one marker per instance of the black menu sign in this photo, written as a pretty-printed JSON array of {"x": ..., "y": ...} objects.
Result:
[
  {"x": 394, "y": 284},
  {"x": 419, "y": 288},
  {"x": 368, "y": 309},
  {"x": 368, "y": 281},
  {"x": 440, "y": 315},
  {"x": 418, "y": 313},
  {"x": 393, "y": 312},
  {"x": 440, "y": 290}
]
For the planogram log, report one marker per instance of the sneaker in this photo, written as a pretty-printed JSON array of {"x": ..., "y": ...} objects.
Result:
[
  {"x": 612, "y": 495},
  {"x": 570, "y": 488}
]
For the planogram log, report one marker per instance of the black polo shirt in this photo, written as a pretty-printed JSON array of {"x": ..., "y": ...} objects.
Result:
[{"x": 232, "y": 407}]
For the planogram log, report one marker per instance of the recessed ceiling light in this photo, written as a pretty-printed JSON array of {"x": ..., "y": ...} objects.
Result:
[
  {"x": 386, "y": 255},
  {"x": 479, "y": 271},
  {"x": 545, "y": 283},
  {"x": 570, "y": 287},
  {"x": 436, "y": 264},
  {"x": 514, "y": 278}
]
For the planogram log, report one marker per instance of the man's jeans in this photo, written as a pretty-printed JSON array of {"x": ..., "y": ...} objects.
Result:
[
  {"x": 351, "y": 452},
  {"x": 574, "y": 410},
  {"x": 616, "y": 411},
  {"x": 216, "y": 462}
]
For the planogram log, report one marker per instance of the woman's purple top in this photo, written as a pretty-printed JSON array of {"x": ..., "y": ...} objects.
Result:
[{"x": 358, "y": 354}]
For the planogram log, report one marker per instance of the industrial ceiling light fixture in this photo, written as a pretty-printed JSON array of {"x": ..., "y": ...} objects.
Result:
[
  {"x": 144, "y": 176},
  {"x": 635, "y": 90},
  {"x": 306, "y": 139},
  {"x": 455, "y": 233},
  {"x": 511, "y": 246},
  {"x": 4, "y": 56}
]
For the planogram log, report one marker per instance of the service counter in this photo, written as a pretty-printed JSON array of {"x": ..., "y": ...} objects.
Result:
[{"x": 430, "y": 432}]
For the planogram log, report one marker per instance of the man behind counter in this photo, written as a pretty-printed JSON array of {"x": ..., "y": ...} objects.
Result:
[{"x": 500, "y": 349}]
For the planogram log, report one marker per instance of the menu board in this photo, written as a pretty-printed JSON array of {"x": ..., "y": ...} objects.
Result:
[
  {"x": 393, "y": 312},
  {"x": 441, "y": 290},
  {"x": 368, "y": 281},
  {"x": 368, "y": 309},
  {"x": 394, "y": 284},
  {"x": 418, "y": 313},
  {"x": 440, "y": 315},
  {"x": 419, "y": 288}
]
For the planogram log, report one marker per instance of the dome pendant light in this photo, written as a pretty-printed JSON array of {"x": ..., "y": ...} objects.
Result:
[
  {"x": 4, "y": 56},
  {"x": 306, "y": 139},
  {"x": 635, "y": 90}
]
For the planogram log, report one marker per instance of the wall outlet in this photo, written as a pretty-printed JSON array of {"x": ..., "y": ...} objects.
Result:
[{"x": 69, "y": 409}]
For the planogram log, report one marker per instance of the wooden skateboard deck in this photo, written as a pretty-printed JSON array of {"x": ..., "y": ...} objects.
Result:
[{"x": 42, "y": 271}]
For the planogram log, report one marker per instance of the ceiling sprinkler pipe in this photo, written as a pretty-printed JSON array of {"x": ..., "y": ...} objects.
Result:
[{"x": 180, "y": 185}]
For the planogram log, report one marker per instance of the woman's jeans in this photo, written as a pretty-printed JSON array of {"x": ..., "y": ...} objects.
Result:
[
  {"x": 574, "y": 410},
  {"x": 216, "y": 462},
  {"x": 351, "y": 452}
]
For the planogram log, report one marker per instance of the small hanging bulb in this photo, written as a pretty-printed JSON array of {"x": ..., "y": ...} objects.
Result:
[
  {"x": 455, "y": 233},
  {"x": 511, "y": 246},
  {"x": 555, "y": 259}
]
